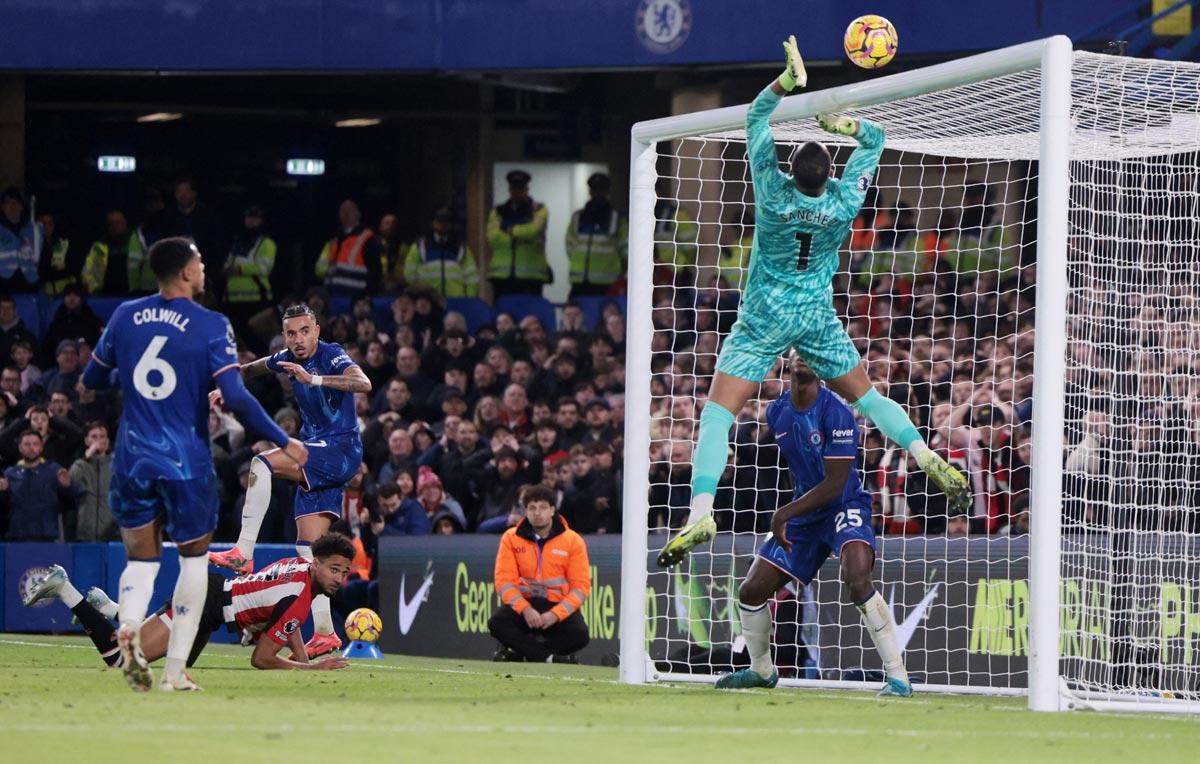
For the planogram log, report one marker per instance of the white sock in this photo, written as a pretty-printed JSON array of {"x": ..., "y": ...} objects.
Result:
[
  {"x": 69, "y": 595},
  {"x": 109, "y": 608},
  {"x": 918, "y": 447},
  {"x": 878, "y": 621},
  {"x": 137, "y": 587},
  {"x": 756, "y": 630},
  {"x": 187, "y": 604},
  {"x": 258, "y": 498},
  {"x": 322, "y": 619},
  {"x": 702, "y": 506}
]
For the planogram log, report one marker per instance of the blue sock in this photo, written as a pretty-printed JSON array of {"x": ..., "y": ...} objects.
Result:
[
  {"x": 712, "y": 452},
  {"x": 887, "y": 415}
]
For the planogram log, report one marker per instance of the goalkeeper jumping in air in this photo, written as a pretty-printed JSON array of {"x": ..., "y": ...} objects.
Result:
[{"x": 802, "y": 219}]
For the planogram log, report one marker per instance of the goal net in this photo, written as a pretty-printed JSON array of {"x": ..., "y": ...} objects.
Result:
[{"x": 940, "y": 286}]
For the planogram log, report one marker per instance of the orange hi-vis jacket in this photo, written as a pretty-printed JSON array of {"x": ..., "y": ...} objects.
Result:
[{"x": 555, "y": 568}]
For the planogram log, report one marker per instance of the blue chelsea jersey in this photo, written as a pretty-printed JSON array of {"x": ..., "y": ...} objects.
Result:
[
  {"x": 826, "y": 429},
  {"x": 166, "y": 353},
  {"x": 327, "y": 413}
]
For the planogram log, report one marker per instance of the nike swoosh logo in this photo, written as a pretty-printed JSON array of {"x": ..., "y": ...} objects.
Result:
[
  {"x": 908, "y": 627},
  {"x": 409, "y": 608}
]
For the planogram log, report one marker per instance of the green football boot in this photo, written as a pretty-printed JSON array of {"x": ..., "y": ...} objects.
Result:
[
  {"x": 700, "y": 532},
  {"x": 746, "y": 678}
]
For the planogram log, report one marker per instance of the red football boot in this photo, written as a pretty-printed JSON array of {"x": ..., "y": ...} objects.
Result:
[
  {"x": 232, "y": 559},
  {"x": 322, "y": 644}
]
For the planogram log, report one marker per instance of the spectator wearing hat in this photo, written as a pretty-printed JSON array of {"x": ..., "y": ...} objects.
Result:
[
  {"x": 542, "y": 577},
  {"x": 452, "y": 401},
  {"x": 350, "y": 262},
  {"x": 453, "y": 346},
  {"x": 58, "y": 264},
  {"x": 91, "y": 474},
  {"x": 12, "y": 328},
  {"x": 20, "y": 243},
  {"x": 597, "y": 242},
  {"x": 73, "y": 320},
  {"x": 434, "y": 499},
  {"x": 248, "y": 269},
  {"x": 556, "y": 379},
  {"x": 598, "y": 416},
  {"x": 499, "y": 490},
  {"x": 65, "y": 371},
  {"x": 516, "y": 233},
  {"x": 117, "y": 263},
  {"x": 442, "y": 260}
]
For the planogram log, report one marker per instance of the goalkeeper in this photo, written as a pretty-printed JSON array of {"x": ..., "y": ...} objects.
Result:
[{"x": 802, "y": 219}]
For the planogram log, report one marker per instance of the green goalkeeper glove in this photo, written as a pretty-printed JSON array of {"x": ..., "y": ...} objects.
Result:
[
  {"x": 832, "y": 123},
  {"x": 793, "y": 72}
]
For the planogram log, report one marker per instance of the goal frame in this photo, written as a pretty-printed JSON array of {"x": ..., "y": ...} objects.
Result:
[{"x": 1054, "y": 56}]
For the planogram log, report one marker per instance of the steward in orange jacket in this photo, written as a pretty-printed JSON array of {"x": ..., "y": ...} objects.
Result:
[{"x": 542, "y": 576}]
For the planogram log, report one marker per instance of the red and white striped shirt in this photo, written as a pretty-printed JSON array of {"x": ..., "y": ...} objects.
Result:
[{"x": 275, "y": 601}]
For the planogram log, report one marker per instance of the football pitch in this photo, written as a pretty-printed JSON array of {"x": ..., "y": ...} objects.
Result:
[{"x": 58, "y": 704}]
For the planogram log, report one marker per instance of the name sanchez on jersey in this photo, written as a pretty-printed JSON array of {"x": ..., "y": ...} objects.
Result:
[
  {"x": 808, "y": 216},
  {"x": 161, "y": 315}
]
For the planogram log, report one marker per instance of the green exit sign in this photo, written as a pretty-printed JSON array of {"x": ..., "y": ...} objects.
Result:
[
  {"x": 306, "y": 167},
  {"x": 114, "y": 163}
]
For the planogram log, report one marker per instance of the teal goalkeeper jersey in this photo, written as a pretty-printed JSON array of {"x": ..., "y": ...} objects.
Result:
[{"x": 797, "y": 237}]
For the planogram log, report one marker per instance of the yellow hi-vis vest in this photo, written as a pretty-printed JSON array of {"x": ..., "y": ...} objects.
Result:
[
  {"x": 450, "y": 270},
  {"x": 596, "y": 251},
  {"x": 58, "y": 261},
  {"x": 251, "y": 282},
  {"x": 137, "y": 266},
  {"x": 518, "y": 241}
]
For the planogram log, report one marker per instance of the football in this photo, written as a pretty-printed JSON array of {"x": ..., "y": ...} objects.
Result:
[
  {"x": 364, "y": 625},
  {"x": 871, "y": 41}
]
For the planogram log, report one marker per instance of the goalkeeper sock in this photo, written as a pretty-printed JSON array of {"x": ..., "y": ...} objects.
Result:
[
  {"x": 322, "y": 619},
  {"x": 712, "y": 455},
  {"x": 878, "y": 620},
  {"x": 891, "y": 420},
  {"x": 137, "y": 587},
  {"x": 258, "y": 498},
  {"x": 756, "y": 630},
  {"x": 187, "y": 604}
]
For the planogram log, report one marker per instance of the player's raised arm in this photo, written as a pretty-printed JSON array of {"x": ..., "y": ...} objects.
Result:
[
  {"x": 860, "y": 169},
  {"x": 760, "y": 143},
  {"x": 837, "y": 471},
  {"x": 352, "y": 379}
]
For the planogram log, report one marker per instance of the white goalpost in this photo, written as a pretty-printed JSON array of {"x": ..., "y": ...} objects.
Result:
[{"x": 1025, "y": 280}]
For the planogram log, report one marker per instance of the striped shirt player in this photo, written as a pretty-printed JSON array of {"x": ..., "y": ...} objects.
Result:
[
  {"x": 268, "y": 608},
  {"x": 324, "y": 381},
  {"x": 829, "y": 514},
  {"x": 801, "y": 219},
  {"x": 165, "y": 351}
]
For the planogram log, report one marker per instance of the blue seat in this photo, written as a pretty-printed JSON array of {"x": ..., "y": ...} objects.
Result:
[
  {"x": 592, "y": 306},
  {"x": 521, "y": 305},
  {"x": 476, "y": 311},
  {"x": 104, "y": 306},
  {"x": 29, "y": 310}
]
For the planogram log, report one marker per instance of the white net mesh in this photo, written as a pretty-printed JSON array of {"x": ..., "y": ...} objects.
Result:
[{"x": 937, "y": 291}]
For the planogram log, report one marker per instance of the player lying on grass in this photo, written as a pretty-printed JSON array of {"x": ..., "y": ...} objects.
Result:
[
  {"x": 801, "y": 221},
  {"x": 268, "y": 607},
  {"x": 830, "y": 513},
  {"x": 324, "y": 381}
]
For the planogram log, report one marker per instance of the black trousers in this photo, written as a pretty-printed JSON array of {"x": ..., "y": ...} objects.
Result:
[{"x": 536, "y": 645}]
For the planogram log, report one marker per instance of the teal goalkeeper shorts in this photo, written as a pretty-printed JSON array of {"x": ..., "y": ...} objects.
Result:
[{"x": 759, "y": 337}]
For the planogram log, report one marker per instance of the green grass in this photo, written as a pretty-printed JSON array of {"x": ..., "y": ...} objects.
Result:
[{"x": 57, "y": 704}]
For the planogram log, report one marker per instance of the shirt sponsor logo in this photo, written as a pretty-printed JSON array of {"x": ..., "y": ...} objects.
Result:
[{"x": 842, "y": 433}]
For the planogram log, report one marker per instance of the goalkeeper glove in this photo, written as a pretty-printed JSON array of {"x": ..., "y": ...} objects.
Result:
[
  {"x": 832, "y": 123},
  {"x": 793, "y": 72}
]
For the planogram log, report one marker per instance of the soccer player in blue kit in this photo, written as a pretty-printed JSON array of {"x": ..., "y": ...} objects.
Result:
[
  {"x": 801, "y": 220},
  {"x": 324, "y": 381},
  {"x": 165, "y": 350},
  {"x": 830, "y": 513}
]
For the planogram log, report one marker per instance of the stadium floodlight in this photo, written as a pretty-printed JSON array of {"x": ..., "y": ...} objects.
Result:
[
  {"x": 1082, "y": 163},
  {"x": 306, "y": 167},
  {"x": 116, "y": 163}
]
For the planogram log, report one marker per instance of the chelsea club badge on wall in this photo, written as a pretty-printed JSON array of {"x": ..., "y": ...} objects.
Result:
[{"x": 663, "y": 26}]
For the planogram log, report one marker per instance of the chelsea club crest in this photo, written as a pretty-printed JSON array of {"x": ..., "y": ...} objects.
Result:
[{"x": 662, "y": 26}]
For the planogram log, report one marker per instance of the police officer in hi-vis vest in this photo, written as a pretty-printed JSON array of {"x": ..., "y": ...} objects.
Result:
[
  {"x": 597, "y": 242},
  {"x": 442, "y": 260},
  {"x": 516, "y": 233},
  {"x": 248, "y": 268}
]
